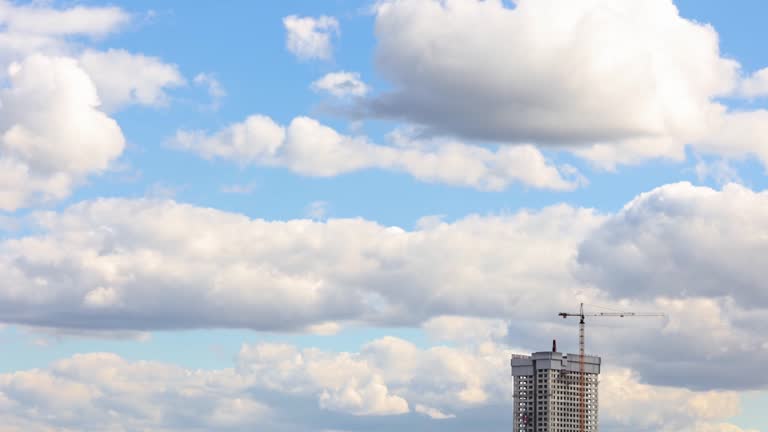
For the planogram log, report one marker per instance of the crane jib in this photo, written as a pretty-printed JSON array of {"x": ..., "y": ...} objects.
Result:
[{"x": 582, "y": 315}]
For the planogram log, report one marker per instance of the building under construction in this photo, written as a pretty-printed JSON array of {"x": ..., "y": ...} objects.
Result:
[{"x": 555, "y": 392}]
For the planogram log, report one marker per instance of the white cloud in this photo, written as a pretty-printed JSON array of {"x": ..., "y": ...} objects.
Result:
[
  {"x": 755, "y": 85},
  {"x": 52, "y": 134},
  {"x": 102, "y": 391},
  {"x": 720, "y": 171},
  {"x": 256, "y": 138},
  {"x": 324, "y": 329},
  {"x": 38, "y": 28},
  {"x": 341, "y": 84},
  {"x": 341, "y": 382},
  {"x": 379, "y": 380},
  {"x": 737, "y": 135},
  {"x": 120, "y": 77},
  {"x": 215, "y": 90},
  {"x": 238, "y": 412},
  {"x": 432, "y": 412},
  {"x": 438, "y": 379},
  {"x": 78, "y": 20},
  {"x": 135, "y": 258},
  {"x": 310, "y": 38},
  {"x": 102, "y": 297},
  {"x": 616, "y": 81},
  {"x": 124, "y": 78},
  {"x": 310, "y": 148},
  {"x": 699, "y": 241},
  {"x": 628, "y": 404},
  {"x": 465, "y": 329}
]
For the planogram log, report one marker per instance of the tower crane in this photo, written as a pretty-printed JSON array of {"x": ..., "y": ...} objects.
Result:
[{"x": 582, "y": 378}]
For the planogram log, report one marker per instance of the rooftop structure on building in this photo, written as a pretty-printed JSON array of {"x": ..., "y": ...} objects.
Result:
[{"x": 547, "y": 392}]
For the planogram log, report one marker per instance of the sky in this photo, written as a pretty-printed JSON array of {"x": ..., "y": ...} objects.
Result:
[{"x": 346, "y": 215}]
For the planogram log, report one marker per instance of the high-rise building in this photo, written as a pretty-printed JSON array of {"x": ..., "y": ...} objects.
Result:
[{"x": 547, "y": 392}]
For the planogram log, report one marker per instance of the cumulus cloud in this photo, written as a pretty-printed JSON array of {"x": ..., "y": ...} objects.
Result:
[
  {"x": 215, "y": 90},
  {"x": 720, "y": 171},
  {"x": 40, "y": 28},
  {"x": 309, "y": 38},
  {"x": 628, "y": 404},
  {"x": 617, "y": 81},
  {"x": 755, "y": 85},
  {"x": 699, "y": 241},
  {"x": 307, "y": 147},
  {"x": 52, "y": 135},
  {"x": 120, "y": 77},
  {"x": 284, "y": 388},
  {"x": 341, "y": 84},
  {"x": 465, "y": 329},
  {"x": 43, "y": 20},
  {"x": 101, "y": 391},
  {"x": 54, "y": 132},
  {"x": 123, "y": 264},
  {"x": 696, "y": 253},
  {"x": 124, "y": 78},
  {"x": 738, "y": 134},
  {"x": 379, "y": 380}
]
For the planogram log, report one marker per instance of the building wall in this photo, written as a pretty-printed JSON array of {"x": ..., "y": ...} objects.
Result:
[{"x": 546, "y": 392}]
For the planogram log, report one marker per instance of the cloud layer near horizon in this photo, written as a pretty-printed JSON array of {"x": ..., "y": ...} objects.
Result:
[{"x": 278, "y": 387}]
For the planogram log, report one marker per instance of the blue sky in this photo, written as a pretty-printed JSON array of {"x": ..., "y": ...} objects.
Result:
[{"x": 357, "y": 210}]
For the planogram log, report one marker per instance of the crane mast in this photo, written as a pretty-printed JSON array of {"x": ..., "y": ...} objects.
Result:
[{"x": 582, "y": 375}]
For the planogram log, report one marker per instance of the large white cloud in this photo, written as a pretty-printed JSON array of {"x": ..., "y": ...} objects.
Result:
[
  {"x": 52, "y": 134},
  {"x": 124, "y": 78},
  {"x": 696, "y": 253},
  {"x": 283, "y": 388},
  {"x": 120, "y": 77},
  {"x": 698, "y": 241},
  {"x": 622, "y": 80},
  {"x": 125, "y": 264},
  {"x": 42, "y": 20},
  {"x": 38, "y": 27},
  {"x": 307, "y": 147}
]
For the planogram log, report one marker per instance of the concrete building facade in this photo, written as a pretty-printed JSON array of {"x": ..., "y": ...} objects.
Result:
[{"x": 547, "y": 392}]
